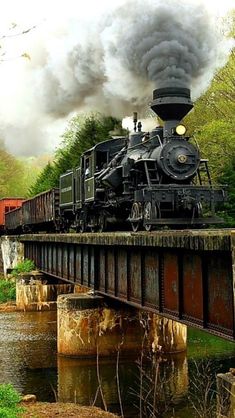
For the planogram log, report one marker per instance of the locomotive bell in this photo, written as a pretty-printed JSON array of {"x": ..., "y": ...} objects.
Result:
[{"x": 171, "y": 104}]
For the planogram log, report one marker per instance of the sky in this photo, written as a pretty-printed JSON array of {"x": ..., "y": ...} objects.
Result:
[{"x": 40, "y": 77}]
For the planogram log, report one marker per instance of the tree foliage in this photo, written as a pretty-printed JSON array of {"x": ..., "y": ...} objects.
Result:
[
  {"x": 16, "y": 175},
  {"x": 81, "y": 134},
  {"x": 228, "y": 177},
  {"x": 11, "y": 175},
  {"x": 211, "y": 123}
]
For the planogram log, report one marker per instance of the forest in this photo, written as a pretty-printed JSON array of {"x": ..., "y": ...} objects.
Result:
[{"x": 211, "y": 124}]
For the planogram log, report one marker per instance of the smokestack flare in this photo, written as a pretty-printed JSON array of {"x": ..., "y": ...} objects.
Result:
[{"x": 171, "y": 103}]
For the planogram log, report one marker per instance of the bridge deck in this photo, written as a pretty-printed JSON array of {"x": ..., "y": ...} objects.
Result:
[{"x": 185, "y": 275}]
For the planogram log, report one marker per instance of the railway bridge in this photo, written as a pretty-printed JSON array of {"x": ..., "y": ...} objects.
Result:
[{"x": 187, "y": 276}]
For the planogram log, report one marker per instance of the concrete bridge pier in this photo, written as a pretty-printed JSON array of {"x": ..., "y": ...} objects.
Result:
[
  {"x": 166, "y": 335},
  {"x": 226, "y": 395},
  {"x": 87, "y": 327},
  {"x": 11, "y": 253},
  {"x": 34, "y": 293}
]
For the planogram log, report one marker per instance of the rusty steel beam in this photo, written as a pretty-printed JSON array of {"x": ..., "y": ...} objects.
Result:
[{"x": 186, "y": 276}]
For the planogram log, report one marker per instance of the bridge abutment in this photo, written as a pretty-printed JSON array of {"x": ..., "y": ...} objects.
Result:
[{"x": 87, "y": 328}]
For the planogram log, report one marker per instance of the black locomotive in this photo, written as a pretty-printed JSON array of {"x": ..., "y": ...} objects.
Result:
[{"x": 149, "y": 179}]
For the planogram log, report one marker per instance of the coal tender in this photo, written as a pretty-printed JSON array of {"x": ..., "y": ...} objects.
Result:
[{"x": 149, "y": 180}]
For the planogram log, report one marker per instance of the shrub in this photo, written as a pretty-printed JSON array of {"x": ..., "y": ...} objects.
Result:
[
  {"x": 24, "y": 267},
  {"x": 7, "y": 291},
  {"x": 9, "y": 400}
]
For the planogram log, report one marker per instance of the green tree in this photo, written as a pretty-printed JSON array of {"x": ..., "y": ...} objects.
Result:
[
  {"x": 228, "y": 178},
  {"x": 81, "y": 134},
  {"x": 211, "y": 122},
  {"x": 11, "y": 175},
  {"x": 216, "y": 141},
  {"x": 44, "y": 181}
]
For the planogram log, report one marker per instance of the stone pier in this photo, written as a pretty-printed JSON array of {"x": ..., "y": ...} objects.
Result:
[
  {"x": 11, "y": 253},
  {"x": 166, "y": 335},
  {"x": 86, "y": 326},
  {"x": 226, "y": 395},
  {"x": 33, "y": 293}
]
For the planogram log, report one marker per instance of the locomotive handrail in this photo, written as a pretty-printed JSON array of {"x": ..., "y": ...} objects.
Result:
[{"x": 146, "y": 142}]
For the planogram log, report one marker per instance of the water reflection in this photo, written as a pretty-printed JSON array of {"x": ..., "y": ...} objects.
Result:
[
  {"x": 29, "y": 361},
  {"x": 78, "y": 382},
  {"x": 28, "y": 352}
]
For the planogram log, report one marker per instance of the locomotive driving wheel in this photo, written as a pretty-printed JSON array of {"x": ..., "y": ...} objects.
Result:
[
  {"x": 136, "y": 217},
  {"x": 150, "y": 213}
]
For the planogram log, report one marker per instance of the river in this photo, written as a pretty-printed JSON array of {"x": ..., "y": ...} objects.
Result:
[{"x": 29, "y": 361}]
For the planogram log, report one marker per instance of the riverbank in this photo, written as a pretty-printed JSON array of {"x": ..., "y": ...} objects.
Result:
[
  {"x": 8, "y": 307},
  {"x": 63, "y": 410}
]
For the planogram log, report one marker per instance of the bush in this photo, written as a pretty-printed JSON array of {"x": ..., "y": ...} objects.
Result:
[
  {"x": 9, "y": 400},
  {"x": 24, "y": 267},
  {"x": 7, "y": 291}
]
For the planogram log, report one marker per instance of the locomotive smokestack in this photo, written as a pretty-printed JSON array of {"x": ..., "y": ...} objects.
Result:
[{"x": 171, "y": 104}]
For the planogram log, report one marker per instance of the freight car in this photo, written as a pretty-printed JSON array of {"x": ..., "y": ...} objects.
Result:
[
  {"x": 8, "y": 204},
  {"x": 40, "y": 213}
]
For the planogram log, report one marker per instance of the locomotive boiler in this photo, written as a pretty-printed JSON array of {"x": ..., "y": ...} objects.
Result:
[{"x": 149, "y": 179}]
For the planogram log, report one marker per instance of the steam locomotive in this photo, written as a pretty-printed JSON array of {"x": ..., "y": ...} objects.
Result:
[{"x": 147, "y": 180}]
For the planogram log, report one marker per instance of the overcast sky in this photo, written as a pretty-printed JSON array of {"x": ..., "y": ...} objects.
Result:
[
  {"x": 28, "y": 10},
  {"x": 27, "y": 126}
]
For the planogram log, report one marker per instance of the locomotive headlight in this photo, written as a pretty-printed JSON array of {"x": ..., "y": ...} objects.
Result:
[{"x": 180, "y": 129}]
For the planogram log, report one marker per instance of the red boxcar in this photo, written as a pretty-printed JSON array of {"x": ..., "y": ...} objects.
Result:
[{"x": 6, "y": 205}]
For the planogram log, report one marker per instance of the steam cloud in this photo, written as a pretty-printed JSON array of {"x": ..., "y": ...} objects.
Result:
[{"x": 111, "y": 66}]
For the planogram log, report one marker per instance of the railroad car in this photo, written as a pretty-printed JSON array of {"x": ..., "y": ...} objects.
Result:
[
  {"x": 13, "y": 221},
  {"x": 8, "y": 204},
  {"x": 38, "y": 214}
]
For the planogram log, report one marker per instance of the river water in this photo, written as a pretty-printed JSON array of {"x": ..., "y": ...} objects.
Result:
[{"x": 29, "y": 361}]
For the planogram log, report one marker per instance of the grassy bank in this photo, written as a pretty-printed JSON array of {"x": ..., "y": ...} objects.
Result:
[
  {"x": 9, "y": 402},
  {"x": 7, "y": 290},
  {"x": 8, "y": 286}
]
